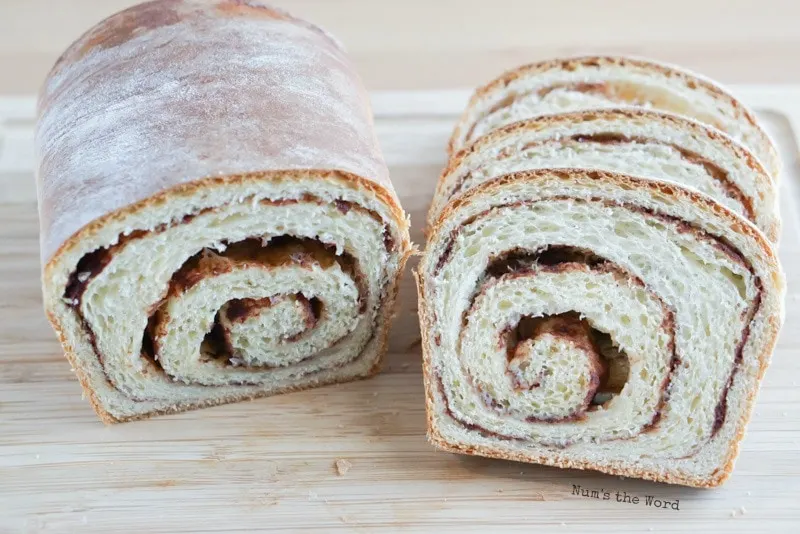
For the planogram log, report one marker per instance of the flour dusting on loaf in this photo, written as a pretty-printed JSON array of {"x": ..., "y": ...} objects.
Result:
[
  {"x": 272, "y": 93},
  {"x": 208, "y": 171}
]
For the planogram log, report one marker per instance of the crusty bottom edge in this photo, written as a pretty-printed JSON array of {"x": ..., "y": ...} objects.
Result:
[
  {"x": 717, "y": 478},
  {"x": 391, "y": 303}
]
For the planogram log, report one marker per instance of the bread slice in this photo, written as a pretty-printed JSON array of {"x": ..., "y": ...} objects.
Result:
[
  {"x": 595, "y": 320},
  {"x": 218, "y": 223},
  {"x": 634, "y": 141},
  {"x": 579, "y": 83}
]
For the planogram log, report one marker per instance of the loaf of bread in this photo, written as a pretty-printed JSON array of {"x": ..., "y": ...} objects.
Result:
[
  {"x": 217, "y": 221},
  {"x": 633, "y": 141},
  {"x": 594, "y": 320},
  {"x": 580, "y": 83}
]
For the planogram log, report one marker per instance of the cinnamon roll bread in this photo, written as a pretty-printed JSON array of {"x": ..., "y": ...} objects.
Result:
[
  {"x": 632, "y": 141},
  {"x": 579, "y": 83},
  {"x": 217, "y": 221},
  {"x": 595, "y": 320}
]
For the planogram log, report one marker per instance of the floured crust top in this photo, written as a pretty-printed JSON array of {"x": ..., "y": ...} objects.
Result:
[
  {"x": 171, "y": 91},
  {"x": 147, "y": 16}
]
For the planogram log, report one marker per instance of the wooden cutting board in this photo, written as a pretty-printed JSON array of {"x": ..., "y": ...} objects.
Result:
[{"x": 271, "y": 464}]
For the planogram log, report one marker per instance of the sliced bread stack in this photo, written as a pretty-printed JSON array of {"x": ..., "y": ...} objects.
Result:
[{"x": 600, "y": 289}]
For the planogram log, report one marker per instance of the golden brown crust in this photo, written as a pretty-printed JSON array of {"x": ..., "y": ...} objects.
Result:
[
  {"x": 539, "y": 123},
  {"x": 736, "y": 224},
  {"x": 238, "y": 8},
  {"x": 441, "y": 443},
  {"x": 186, "y": 190},
  {"x": 692, "y": 81}
]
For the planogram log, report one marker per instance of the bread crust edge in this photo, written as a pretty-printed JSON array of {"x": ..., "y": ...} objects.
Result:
[
  {"x": 711, "y": 88},
  {"x": 545, "y": 121},
  {"x": 179, "y": 191}
]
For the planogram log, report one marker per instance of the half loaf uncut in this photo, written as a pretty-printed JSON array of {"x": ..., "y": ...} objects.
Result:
[{"x": 217, "y": 221}]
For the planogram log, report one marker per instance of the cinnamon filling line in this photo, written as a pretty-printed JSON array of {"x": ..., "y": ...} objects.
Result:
[
  {"x": 717, "y": 173},
  {"x": 596, "y": 88},
  {"x": 555, "y": 258},
  {"x": 280, "y": 250}
]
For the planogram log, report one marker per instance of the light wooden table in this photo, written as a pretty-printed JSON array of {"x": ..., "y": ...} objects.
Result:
[
  {"x": 426, "y": 44},
  {"x": 269, "y": 464}
]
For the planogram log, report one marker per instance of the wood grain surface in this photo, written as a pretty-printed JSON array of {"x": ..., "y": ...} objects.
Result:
[
  {"x": 425, "y": 44},
  {"x": 270, "y": 465}
]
